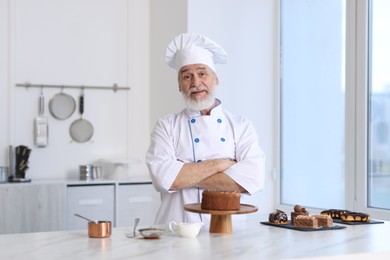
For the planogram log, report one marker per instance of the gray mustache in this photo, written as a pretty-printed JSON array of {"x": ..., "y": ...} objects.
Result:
[{"x": 192, "y": 90}]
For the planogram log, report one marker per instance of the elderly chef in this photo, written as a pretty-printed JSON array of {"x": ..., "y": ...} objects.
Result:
[{"x": 203, "y": 146}]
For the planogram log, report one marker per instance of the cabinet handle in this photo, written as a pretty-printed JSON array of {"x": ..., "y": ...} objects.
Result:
[
  {"x": 90, "y": 202},
  {"x": 140, "y": 199}
]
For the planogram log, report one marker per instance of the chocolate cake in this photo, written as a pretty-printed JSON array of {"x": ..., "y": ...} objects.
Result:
[
  {"x": 306, "y": 221},
  {"x": 220, "y": 200}
]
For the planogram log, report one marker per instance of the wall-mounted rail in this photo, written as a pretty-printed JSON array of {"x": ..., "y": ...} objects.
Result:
[{"x": 114, "y": 87}]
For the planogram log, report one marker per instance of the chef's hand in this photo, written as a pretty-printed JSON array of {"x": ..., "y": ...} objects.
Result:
[
  {"x": 220, "y": 182},
  {"x": 225, "y": 164}
]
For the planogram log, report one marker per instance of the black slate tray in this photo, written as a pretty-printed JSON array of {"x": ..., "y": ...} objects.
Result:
[
  {"x": 372, "y": 221},
  {"x": 291, "y": 226}
]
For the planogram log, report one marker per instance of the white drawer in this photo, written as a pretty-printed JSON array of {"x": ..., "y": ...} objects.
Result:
[
  {"x": 136, "y": 200},
  {"x": 92, "y": 201}
]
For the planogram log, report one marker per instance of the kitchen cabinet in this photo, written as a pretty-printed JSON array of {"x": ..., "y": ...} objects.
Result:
[
  {"x": 50, "y": 205},
  {"x": 92, "y": 201},
  {"x": 32, "y": 207},
  {"x": 136, "y": 200},
  {"x": 119, "y": 202}
]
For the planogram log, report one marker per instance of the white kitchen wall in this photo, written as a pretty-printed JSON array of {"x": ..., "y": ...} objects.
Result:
[
  {"x": 168, "y": 18},
  {"x": 246, "y": 29},
  {"x": 101, "y": 42},
  {"x": 71, "y": 42},
  {"x": 4, "y": 129}
]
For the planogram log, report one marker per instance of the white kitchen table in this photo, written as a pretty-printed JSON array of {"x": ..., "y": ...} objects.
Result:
[{"x": 249, "y": 240}]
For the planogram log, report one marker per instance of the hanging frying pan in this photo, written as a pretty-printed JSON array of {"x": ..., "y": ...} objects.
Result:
[
  {"x": 81, "y": 130},
  {"x": 62, "y": 106}
]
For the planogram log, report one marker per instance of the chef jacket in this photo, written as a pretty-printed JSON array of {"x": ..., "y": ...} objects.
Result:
[{"x": 187, "y": 137}]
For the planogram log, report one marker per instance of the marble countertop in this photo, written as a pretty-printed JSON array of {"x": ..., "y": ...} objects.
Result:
[{"x": 249, "y": 240}]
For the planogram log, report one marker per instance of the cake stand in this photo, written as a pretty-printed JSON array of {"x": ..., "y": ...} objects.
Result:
[{"x": 221, "y": 220}]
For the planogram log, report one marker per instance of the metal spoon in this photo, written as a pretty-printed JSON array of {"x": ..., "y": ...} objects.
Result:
[
  {"x": 90, "y": 220},
  {"x": 129, "y": 235}
]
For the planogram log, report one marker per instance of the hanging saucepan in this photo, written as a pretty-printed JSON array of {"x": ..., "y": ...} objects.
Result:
[
  {"x": 81, "y": 130},
  {"x": 62, "y": 106}
]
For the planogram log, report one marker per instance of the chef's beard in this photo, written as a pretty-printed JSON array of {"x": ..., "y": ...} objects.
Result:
[{"x": 199, "y": 104}]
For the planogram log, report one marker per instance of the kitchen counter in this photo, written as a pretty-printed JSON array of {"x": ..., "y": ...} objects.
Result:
[
  {"x": 49, "y": 205},
  {"x": 249, "y": 240},
  {"x": 133, "y": 179}
]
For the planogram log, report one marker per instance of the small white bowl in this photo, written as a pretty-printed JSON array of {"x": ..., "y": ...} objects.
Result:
[{"x": 151, "y": 233}]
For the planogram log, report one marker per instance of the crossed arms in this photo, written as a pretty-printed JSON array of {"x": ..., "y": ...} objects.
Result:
[{"x": 206, "y": 175}]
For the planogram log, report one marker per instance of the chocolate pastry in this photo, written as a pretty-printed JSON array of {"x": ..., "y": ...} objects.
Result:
[
  {"x": 278, "y": 217},
  {"x": 335, "y": 213},
  {"x": 306, "y": 221},
  {"x": 355, "y": 217},
  {"x": 298, "y": 210},
  {"x": 324, "y": 220}
]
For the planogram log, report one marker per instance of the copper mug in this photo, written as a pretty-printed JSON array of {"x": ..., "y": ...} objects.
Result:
[{"x": 99, "y": 229}]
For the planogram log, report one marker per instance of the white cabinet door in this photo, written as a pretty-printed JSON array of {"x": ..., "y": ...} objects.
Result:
[
  {"x": 92, "y": 201},
  {"x": 32, "y": 208},
  {"x": 136, "y": 200}
]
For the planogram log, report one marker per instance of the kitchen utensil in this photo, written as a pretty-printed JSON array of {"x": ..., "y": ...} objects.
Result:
[
  {"x": 86, "y": 172},
  {"x": 186, "y": 229},
  {"x": 11, "y": 159},
  {"x": 97, "y": 229},
  {"x": 22, "y": 154},
  {"x": 221, "y": 220},
  {"x": 81, "y": 130},
  {"x": 90, "y": 220},
  {"x": 3, "y": 174},
  {"x": 90, "y": 172},
  {"x": 62, "y": 106},
  {"x": 101, "y": 229},
  {"x": 41, "y": 128},
  {"x": 96, "y": 172},
  {"x": 129, "y": 235},
  {"x": 151, "y": 233}
]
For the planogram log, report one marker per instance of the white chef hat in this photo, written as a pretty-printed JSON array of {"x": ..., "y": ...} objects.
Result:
[{"x": 194, "y": 48}]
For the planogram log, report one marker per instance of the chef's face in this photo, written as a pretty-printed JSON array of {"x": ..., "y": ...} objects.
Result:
[{"x": 197, "y": 83}]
